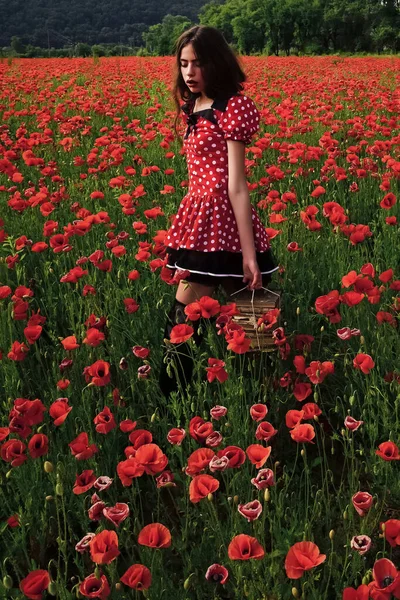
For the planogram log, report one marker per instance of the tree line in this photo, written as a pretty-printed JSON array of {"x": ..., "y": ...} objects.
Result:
[{"x": 250, "y": 26}]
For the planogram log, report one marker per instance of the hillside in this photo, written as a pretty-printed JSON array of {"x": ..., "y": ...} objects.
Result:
[{"x": 56, "y": 24}]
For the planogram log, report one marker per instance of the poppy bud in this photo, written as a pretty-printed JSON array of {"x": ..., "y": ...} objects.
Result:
[
  {"x": 97, "y": 572},
  {"x": 8, "y": 474},
  {"x": 343, "y": 432},
  {"x": 315, "y": 396},
  {"x": 52, "y": 589},
  {"x": 345, "y": 515},
  {"x": 267, "y": 495},
  {"x": 383, "y": 527},
  {"x": 316, "y": 418},
  {"x": 322, "y": 329},
  {"x": 49, "y": 498},
  {"x": 362, "y": 340},
  {"x": 367, "y": 578},
  {"x": 332, "y": 450},
  {"x": 59, "y": 489},
  {"x": 235, "y": 499},
  {"x": 118, "y": 586},
  {"x": 153, "y": 417},
  {"x": 48, "y": 467},
  {"x": 351, "y": 400},
  {"x": 298, "y": 310},
  {"x": 8, "y": 582},
  {"x": 276, "y": 465},
  {"x": 186, "y": 585},
  {"x": 303, "y": 452},
  {"x": 192, "y": 407},
  {"x": 295, "y": 592},
  {"x": 331, "y": 534},
  {"x": 123, "y": 364},
  {"x": 210, "y": 497}
]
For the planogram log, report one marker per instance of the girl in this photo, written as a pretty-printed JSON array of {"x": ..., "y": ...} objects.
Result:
[{"x": 216, "y": 234}]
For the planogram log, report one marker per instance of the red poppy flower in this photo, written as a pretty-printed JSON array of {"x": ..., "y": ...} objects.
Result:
[
  {"x": 217, "y": 574},
  {"x": 258, "y": 412},
  {"x": 251, "y": 511},
  {"x": 117, "y": 513},
  {"x": 293, "y": 418},
  {"x": 302, "y": 557},
  {"x": 139, "y": 437},
  {"x": 59, "y": 411},
  {"x": 94, "y": 337},
  {"x": 235, "y": 455},
  {"x": 245, "y": 547},
  {"x": 386, "y": 578},
  {"x": 93, "y": 587},
  {"x": 362, "y": 502},
  {"x": 327, "y": 305},
  {"x": 104, "y": 421},
  {"x": 137, "y": 577},
  {"x": 258, "y": 454},
  {"x": 265, "y": 431},
  {"x": 104, "y": 547},
  {"x": 351, "y": 424},
  {"x": 99, "y": 371},
  {"x": 201, "y": 486},
  {"x": 216, "y": 370},
  {"x": 176, "y": 435},
  {"x": 181, "y": 333},
  {"x": 392, "y": 532},
  {"x": 361, "y": 593},
  {"x": 361, "y": 544},
  {"x": 128, "y": 469},
  {"x": 311, "y": 410},
  {"x": 363, "y": 362},
  {"x": 151, "y": 458},
  {"x": 199, "y": 460},
  {"x": 217, "y": 412},
  {"x": 69, "y": 343},
  {"x": 199, "y": 429},
  {"x": 12, "y": 451},
  {"x": 238, "y": 342},
  {"x": 264, "y": 479},
  {"x": 155, "y": 535},
  {"x": 317, "y": 371},
  {"x": 80, "y": 447},
  {"x": 38, "y": 445},
  {"x": 388, "y": 201},
  {"x": 301, "y": 391},
  {"x": 84, "y": 482},
  {"x": 35, "y": 584},
  {"x": 388, "y": 451},
  {"x": 303, "y": 433}
]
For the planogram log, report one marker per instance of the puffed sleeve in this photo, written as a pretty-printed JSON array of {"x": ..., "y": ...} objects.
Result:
[{"x": 241, "y": 119}]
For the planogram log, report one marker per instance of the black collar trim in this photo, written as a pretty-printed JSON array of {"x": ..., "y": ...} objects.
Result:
[{"x": 220, "y": 103}]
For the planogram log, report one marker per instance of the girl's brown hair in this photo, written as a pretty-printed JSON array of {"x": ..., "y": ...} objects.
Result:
[{"x": 222, "y": 72}]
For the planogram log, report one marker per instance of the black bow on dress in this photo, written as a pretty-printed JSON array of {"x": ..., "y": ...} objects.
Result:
[{"x": 219, "y": 103}]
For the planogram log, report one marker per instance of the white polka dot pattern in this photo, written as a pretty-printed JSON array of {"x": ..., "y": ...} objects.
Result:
[
  {"x": 241, "y": 120},
  {"x": 205, "y": 220}
]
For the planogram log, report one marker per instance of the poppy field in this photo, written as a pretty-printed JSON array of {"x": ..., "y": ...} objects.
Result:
[{"x": 271, "y": 476}]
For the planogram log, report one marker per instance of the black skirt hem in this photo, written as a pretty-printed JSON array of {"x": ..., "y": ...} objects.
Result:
[{"x": 221, "y": 263}]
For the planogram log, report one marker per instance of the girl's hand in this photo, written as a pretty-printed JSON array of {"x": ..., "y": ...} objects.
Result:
[{"x": 252, "y": 274}]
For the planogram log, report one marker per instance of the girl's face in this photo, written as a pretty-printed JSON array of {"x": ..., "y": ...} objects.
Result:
[{"x": 191, "y": 70}]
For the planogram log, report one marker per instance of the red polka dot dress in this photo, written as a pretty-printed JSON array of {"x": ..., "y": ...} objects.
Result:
[{"x": 203, "y": 237}]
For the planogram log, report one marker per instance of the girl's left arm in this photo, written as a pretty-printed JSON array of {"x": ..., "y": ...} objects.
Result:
[
  {"x": 239, "y": 196},
  {"x": 240, "y": 199}
]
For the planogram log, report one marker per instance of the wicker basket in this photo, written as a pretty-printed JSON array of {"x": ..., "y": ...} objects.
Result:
[{"x": 252, "y": 304}]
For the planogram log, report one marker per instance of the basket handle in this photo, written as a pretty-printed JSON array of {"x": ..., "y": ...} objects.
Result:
[{"x": 252, "y": 297}]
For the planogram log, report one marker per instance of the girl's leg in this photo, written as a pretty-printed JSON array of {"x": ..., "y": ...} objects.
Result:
[
  {"x": 191, "y": 291},
  {"x": 181, "y": 360}
]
